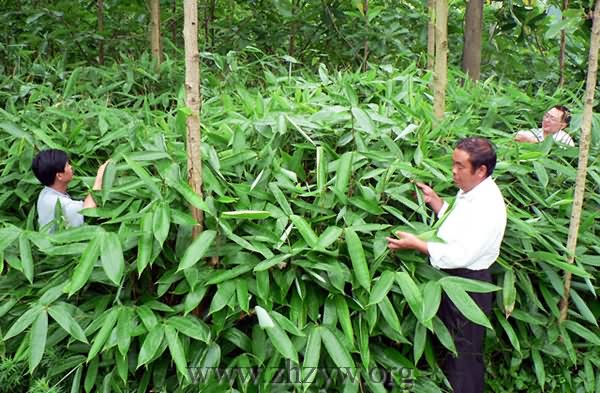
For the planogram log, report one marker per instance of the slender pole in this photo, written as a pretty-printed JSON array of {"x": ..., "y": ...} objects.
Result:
[{"x": 584, "y": 148}]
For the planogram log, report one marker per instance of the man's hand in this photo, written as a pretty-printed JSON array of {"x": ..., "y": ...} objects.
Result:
[
  {"x": 431, "y": 198},
  {"x": 525, "y": 137},
  {"x": 407, "y": 241},
  {"x": 100, "y": 176}
]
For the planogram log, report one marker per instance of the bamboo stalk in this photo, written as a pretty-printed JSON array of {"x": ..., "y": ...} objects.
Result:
[
  {"x": 100, "y": 16},
  {"x": 193, "y": 101},
  {"x": 440, "y": 75},
  {"x": 155, "y": 31},
  {"x": 586, "y": 134},
  {"x": 431, "y": 34},
  {"x": 563, "y": 45}
]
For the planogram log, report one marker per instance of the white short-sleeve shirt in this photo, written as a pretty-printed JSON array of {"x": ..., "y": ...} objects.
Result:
[{"x": 46, "y": 205}]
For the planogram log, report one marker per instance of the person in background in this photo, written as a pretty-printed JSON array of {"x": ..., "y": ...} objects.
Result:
[
  {"x": 472, "y": 231},
  {"x": 53, "y": 170},
  {"x": 553, "y": 124}
]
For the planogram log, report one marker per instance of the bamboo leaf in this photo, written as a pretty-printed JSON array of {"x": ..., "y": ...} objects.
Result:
[
  {"x": 509, "y": 292},
  {"x": 105, "y": 331},
  {"x": 312, "y": 353},
  {"x": 357, "y": 257},
  {"x": 145, "y": 242},
  {"x": 246, "y": 214},
  {"x": 432, "y": 297},
  {"x": 411, "y": 292},
  {"x": 343, "y": 173},
  {"x": 161, "y": 223},
  {"x": 538, "y": 366},
  {"x": 85, "y": 266},
  {"x": 382, "y": 287},
  {"x": 26, "y": 258},
  {"x": 177, "y": 352},
  {"x": 39, "y": 333},
  {"x": 343, "y": 313},
  {"x": 23, "y": 322},
  {"x": 197, "y": 249},
  {"x": 338, "y": 353},
  {"x": 61, "y": 315},
  {"x": 112, "y": 257},
  {"x": 151, "y": 344},
  {"x": 465, "y": 304},
  {"x": 191, "y": 327},
  {"x": 305, "y": 231}
]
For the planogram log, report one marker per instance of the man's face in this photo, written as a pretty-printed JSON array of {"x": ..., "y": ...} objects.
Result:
[
  {"x": 463, "y": 174},
  {"x": 66, "y": 175},
  {"x": 553, "y": 121}
]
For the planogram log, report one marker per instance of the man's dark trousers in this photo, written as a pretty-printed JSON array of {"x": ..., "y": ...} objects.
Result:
[{"x": 466, "y": 372}]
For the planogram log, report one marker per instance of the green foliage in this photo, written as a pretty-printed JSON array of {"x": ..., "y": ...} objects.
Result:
[{"x": 304, "y": 177}]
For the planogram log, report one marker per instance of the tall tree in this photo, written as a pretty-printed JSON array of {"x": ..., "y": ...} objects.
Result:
[
  {"x": 100, "y": 16},
  {"x": 563, "y": 46},
  {"x": 193, "y": 102},
  {"x": 430, "y": 34},
  {"x": 584, "y": 147},
  {"x": 440, "y": 75},
  {"x": 472, "y": 39},
  {"x": 155, "y": 31}
]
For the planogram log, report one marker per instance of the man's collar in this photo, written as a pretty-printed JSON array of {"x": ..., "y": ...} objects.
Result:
[{"x": 478, "y": 189}]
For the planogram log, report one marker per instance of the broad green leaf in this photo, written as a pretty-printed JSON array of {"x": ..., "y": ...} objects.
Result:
[
  {"x": 443, "y": 335},
  {"x": 419, "y": 341},
  {"x": 60, "y": 314},
  {"x": 338, "y": 353},
  {"x": 112, "y": 257},
  {"x": 270, "y": 262},
  {"x": 312, "y": 353},
  {"x": 161, "y": 223},
  {"x": 382, "y": 287},
  {"x": 177, "y": 352},
  {"x": 151, "y": 344},
  {"x": 357, "y": 257},
  {"x": 85, "y": 266},
  {"x": 411, "y": 293},
  {"x": 143, "y": 174},
  {"x": 343, "y": 314},
  {"x": 389, "y": 314},
  {"x": 105, "y": 331},
  {"x": 538, "y": 366},
  {"x": 197, "y": 249},
  {"x": 321, "y": 169},
  {"x": 226, "y": 275},
  {"x": 277, "y": 335},
  {"x": 26, "y": 258},
  {"x": 583, "y": 332},
  {"x": 125, "y": 323},
  {"x": 363, "y": 121},
  {"x": 145, "y": 242},
  {"x": 191, "y": 327},
  {"x": 305, "y": 230},
  {"x": 329, "y": 236},
  {"x": 470, "y": 285},
  {"x": 432, "y": 297},
  {"x": 39, "y": 333},
  {"x": 246, "y": 214},
  {"x": 24, "y": 321},
  {"x": 7, "y": 236},
  {"x": 465, "y": 304},
  {"x": 509, "y": 292},
  {"x": 343, "y": 173},
  {"x": 508, "y": 329},
  {"x": 281, "y": 199}
]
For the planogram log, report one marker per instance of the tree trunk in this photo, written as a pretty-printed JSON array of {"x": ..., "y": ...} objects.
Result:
[
  {"x": 430, "y": 34},
  {"x": 366, "y": 46},
  {"x": 472, "y": 39},
  {"x": 563, "y": 45},
  {"x": 584, "y": 147},
  {"x": 100, "y": 16},
  {"x": 440, "y": 77},
  {"x": 193, "y": 101},
  {"x": 155, "y": 31}
]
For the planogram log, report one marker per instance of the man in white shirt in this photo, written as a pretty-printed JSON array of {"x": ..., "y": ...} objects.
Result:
[
  {"x": 53, "y": 170},
  {"x": 553, "y": 125},
  {"x": 472, "y": 230}
]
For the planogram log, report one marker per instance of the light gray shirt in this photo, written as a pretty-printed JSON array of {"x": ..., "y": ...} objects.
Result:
[{"x": 46, "y": 205}]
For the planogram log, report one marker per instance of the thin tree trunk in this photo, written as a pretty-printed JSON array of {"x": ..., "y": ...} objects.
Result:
[
  {"x": 294, "y": 29},
  {"x": 472, "y": 39},
  {"x": 155, "y": 31},
  {"x": 366, "y": 46},
  {"x": 584, "y": 147},
  {"x": 100, "y": 16},
  {"x": 430, "y": 34},
  {"x": 193, "y": 101},
  {"x": 563, "y": 45},
  {"x": 212, "y": 19},
  {"x": 440, "y": 75}
]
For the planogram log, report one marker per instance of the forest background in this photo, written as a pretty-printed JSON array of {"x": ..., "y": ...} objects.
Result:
[{"x": 316, "y": 117}]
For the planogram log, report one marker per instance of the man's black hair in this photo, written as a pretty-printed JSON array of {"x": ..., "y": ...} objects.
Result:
[
  {"x": 47, "y": 163},
  {"x": 481, "y": 152},
  {"x": 566, "y": 114}
]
